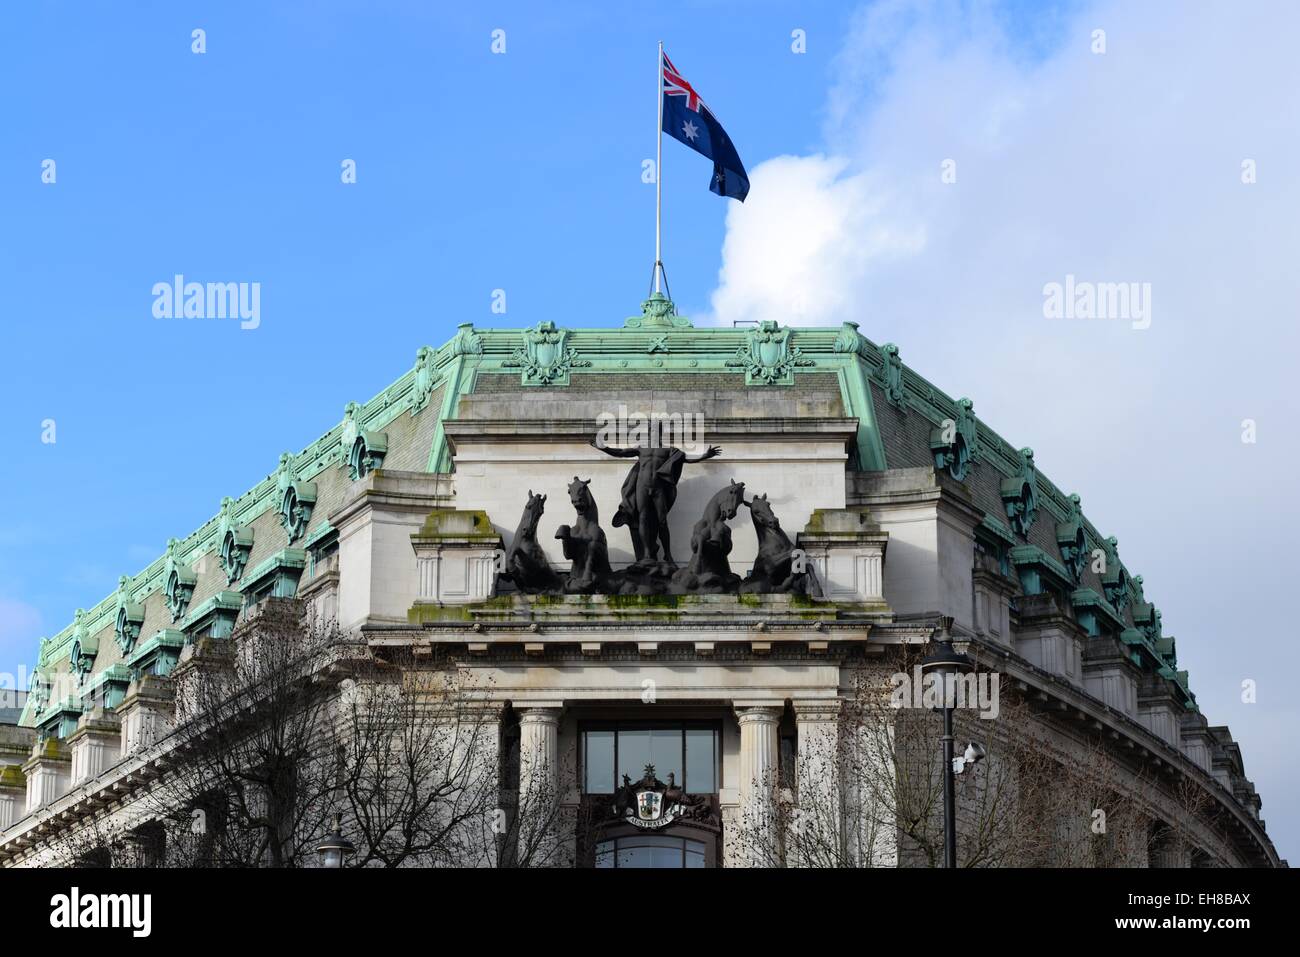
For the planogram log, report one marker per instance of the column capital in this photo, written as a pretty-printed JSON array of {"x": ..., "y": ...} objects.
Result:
[
  {"x": 547, "y": 713},
  {"x": 750, "y": 712}
]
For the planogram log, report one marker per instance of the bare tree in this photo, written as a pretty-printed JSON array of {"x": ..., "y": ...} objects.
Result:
[
  {"x": 871, "y": 792},
  {"x": 418, "y": 764},
  {"x": 289, "y": 723}
]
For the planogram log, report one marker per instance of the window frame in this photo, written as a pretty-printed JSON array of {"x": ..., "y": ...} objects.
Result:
[{"x": 617, "y": 725}]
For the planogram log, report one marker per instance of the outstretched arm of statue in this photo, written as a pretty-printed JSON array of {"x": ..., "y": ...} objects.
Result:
[
  {"x": 711, "y": 452},
  {"x": 617, "y": 453}
]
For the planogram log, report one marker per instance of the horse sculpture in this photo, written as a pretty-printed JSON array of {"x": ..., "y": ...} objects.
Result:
[
  {"x": 525, "y": 562},
  {"x": 709, "y": 571},
  {"x": 584, "y": 544},
  {"x": 779, "y": 567}
]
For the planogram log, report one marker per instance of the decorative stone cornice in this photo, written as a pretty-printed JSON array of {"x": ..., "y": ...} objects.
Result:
[
  {"x": 179, "y": 582},
  {"x": 108, "y": 688},
  {"x": 1073, "y": 542},
  {"x": 215, "y": 617},
  {"x": 1094, "y": 613},
  {"x": 425, "y": 378},
  {"x": 1020, "y": 495},
  {"x": 130, "y": 617},
  {"x": 280, "y": 572},
  {"x": 368, "y": 452},
  {"x": 890, "y": 375},
  {"x": 81, "y": 657},
  {"x": 953, "y": 442},
  {"x": 236, "y": 542},
  {"x": 1037, "y": 569},
  {"x": 849, "y": 340},
  {"x": 159, "y": 654},
  {"x": 1114, "y": 577}
]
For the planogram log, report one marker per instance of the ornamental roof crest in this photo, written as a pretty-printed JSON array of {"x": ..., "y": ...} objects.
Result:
[
  {"x": 545, "y": 357},
  {"x": 767, "y": 356}
]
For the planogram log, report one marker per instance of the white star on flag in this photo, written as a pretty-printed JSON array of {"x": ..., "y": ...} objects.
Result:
[{"x": 690, "y": 129}]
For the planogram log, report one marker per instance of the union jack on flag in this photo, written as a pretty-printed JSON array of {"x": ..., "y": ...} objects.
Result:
[
  {"x": 676, "y": 85},
  {"x": 689, "y": 120}
]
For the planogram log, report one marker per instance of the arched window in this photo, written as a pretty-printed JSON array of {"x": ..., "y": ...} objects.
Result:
[{"x": 651, "y": 850}]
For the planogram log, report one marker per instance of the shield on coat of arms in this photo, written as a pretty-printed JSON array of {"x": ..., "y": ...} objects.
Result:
[
  {"x": 771, "y": 349},
  {"x": 547, "y": 353},
  {"x": 649, "y": 805}
]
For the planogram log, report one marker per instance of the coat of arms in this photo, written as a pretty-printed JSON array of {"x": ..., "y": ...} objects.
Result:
[
  {"x": 544, "y": 356},
  {"x": 650, "y": 803},
  {"x": 767, "y": 356}
]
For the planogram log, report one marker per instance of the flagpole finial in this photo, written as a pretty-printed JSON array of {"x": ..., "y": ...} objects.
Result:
[{"x": 657, "y": 312}]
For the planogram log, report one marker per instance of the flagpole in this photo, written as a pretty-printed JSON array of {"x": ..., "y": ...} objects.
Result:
[{"x": 659, "y": 158}]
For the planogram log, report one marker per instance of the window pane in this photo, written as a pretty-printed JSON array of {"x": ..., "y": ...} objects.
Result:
[
  {"x": 605, "y": 854},
  {"x": 652, "y": 851},
  {"x": 694, "y": 854},
  {"x": 666, "y": 753},
  {"x": 701, "y": 761},
  {"x": 633, "y": 754},
  {"x": 598, "y": 766}
]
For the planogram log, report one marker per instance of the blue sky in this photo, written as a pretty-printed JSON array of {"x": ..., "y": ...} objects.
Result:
[
  {"x": 522, "y": 172},
  {"x": 475, "y": 172}
]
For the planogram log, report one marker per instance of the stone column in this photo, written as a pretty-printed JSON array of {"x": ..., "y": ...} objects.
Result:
[
  {"x": 537, "y": 809},
  {"x": 871, "y": 758},
  {"x": 758, "y": 843},
  {"x": 477, "y": 750},
  {"x": 818, "y": 837}
]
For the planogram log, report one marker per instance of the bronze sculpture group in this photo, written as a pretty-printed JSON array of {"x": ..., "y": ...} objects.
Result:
[{"x": 648, "y": 494}]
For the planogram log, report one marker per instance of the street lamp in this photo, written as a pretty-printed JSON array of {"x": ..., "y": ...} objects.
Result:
[
  {"x": 334, "y": 848},
  {"x": 946, "y": 665}
]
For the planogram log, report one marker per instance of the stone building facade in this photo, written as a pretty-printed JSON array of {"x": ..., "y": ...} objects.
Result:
[{"x": 904, "y": 504}]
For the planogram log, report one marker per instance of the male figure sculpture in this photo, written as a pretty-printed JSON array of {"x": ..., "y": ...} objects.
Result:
[{"x": 649, "y": 492}]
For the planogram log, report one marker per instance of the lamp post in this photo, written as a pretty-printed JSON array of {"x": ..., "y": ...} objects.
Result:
[
  {"x": 334, "y": 848},
  {"x": 946, "y": 664}
]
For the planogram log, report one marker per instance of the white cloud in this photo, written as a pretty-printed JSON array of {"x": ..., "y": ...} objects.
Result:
[
  {"x": 1121, "y": 167},
  {"x": 812, "y": 227}
]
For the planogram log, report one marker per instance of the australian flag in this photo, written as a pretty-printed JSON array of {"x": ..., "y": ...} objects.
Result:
[{"x": 687, "y": 119}]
